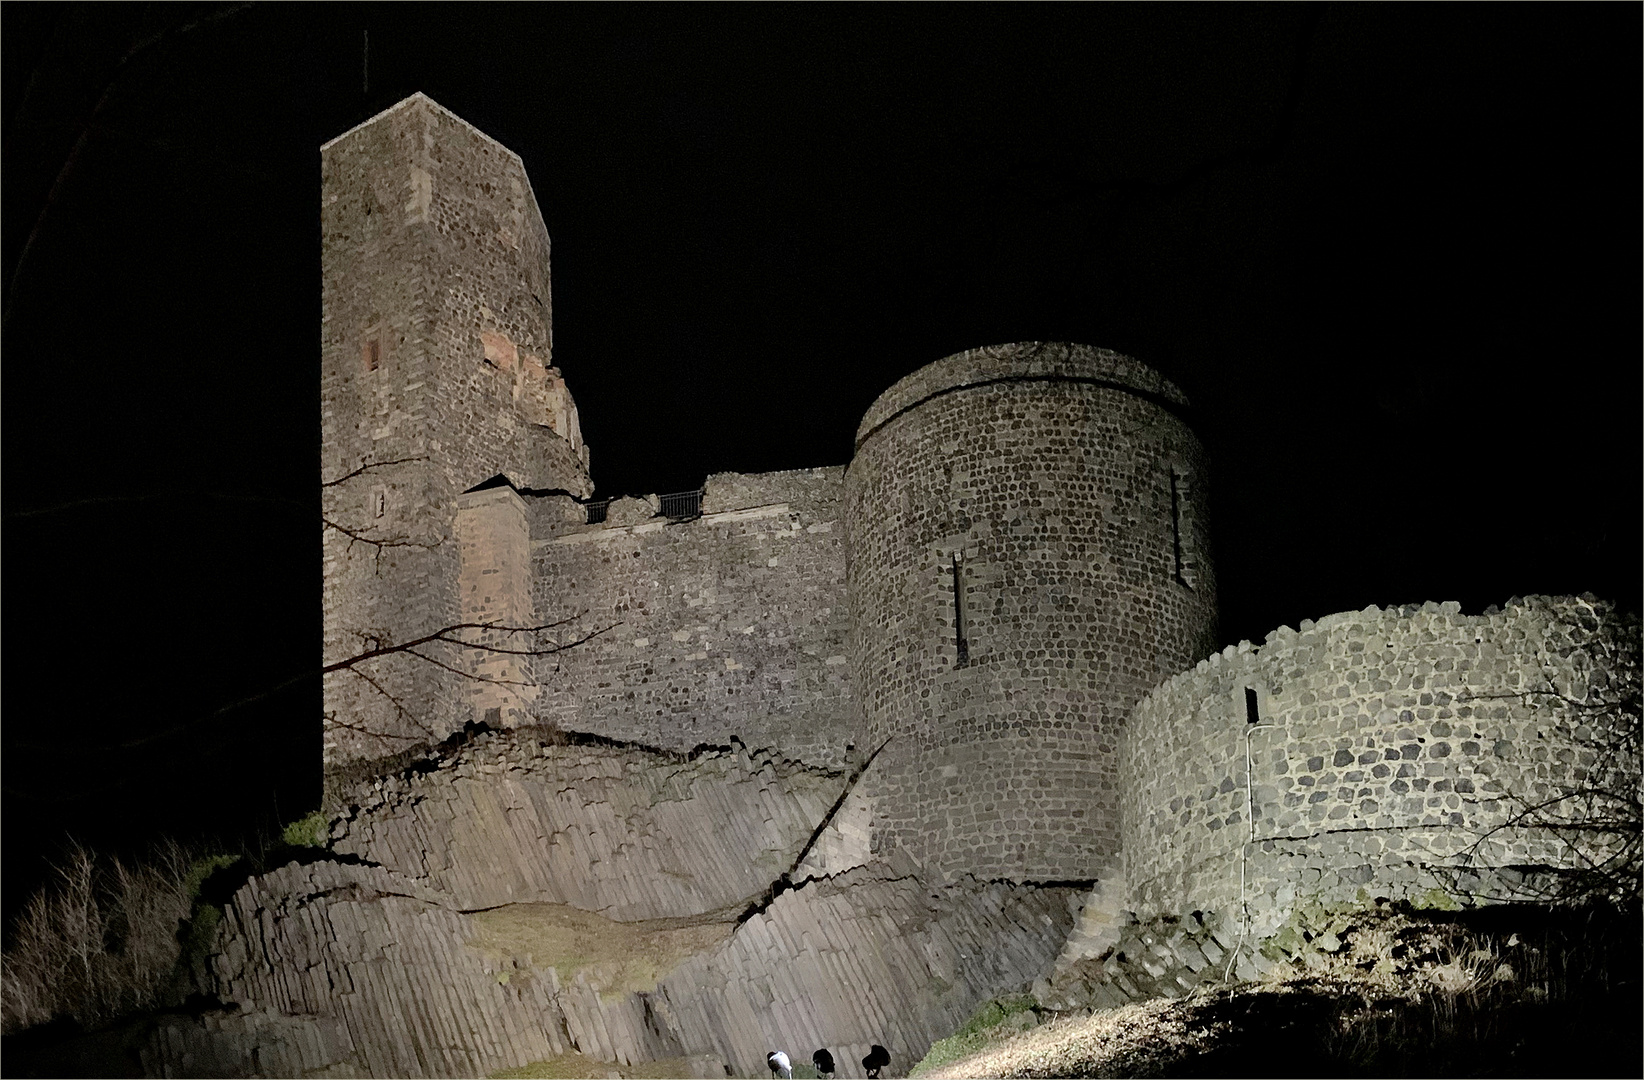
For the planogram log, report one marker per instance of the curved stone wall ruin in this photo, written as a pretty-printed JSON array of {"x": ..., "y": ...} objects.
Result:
[
  {"x": 1028, "y": 556},
  {"x": 1394, "y": 751}
]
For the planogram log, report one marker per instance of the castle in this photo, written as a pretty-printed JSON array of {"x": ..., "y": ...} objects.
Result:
[
  {"x": 1015, "y": 554},
  {"x": 896, "y": 736}
]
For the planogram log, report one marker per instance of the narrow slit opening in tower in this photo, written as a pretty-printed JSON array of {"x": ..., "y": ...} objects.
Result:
[
  {"x": 1180, "y": 529},
  {"x": 961, "y": 645},
  {"x": 371, "y": 353},
  {"x": 1252, "y": 714}
]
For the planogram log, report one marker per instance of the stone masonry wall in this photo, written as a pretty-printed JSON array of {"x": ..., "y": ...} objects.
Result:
[
  {"x": 730, "y": 625},
  {"x": 435, "y": 376},
  {"x": 1054, "y": 493},
  {"x": 380, "y": 500},
  {"x": 494, "y": 584},
  {"x": 1396, "y": 752},
  {"x": 626, "y": 832}
]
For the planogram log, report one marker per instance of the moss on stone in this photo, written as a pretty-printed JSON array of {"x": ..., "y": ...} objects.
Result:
[
  {"x": 999, "y": 1019},
  {"x": 312, "y": 830},
  {"x": 1436, "y": 899}
]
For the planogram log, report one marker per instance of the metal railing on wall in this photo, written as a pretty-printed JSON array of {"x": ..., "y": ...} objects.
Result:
[
  {"x": 682, "y": 504},
  {"x": 676, "y": 506}
]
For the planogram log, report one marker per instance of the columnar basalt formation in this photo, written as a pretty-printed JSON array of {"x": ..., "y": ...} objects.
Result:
[
  {"x": 341, "y": 966},
  {"x": 873, "y": 956},
  {"x": 1028, "y": 557},
  {"x": 627, "y": 832}
]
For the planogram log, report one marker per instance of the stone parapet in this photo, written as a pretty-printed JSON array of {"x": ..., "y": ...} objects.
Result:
[{"x": 1046, "y": 360}]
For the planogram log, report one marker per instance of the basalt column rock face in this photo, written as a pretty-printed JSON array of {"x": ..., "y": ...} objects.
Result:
[
  {"x": 510, "y": 900},
  {"x": 870, "y": 956},
  {"x": 436, "y": 376},
  {"x": 628, "y": 832},
  {"x": 1028, "y": 557}
]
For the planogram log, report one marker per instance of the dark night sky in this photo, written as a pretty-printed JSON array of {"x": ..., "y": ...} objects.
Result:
[{"x": 1390, "y": 252}]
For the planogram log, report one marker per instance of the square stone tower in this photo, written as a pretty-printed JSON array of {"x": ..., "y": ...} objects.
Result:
[{"x": 436, "y": 376}]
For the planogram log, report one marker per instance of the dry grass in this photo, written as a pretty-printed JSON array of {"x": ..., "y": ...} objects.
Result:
[
  {"x": 1135, "y": 1040},
  {"x": 100, "y": 941},
  {"x": 617, "y": 957},
  {"x": 1409, "y": 996}
]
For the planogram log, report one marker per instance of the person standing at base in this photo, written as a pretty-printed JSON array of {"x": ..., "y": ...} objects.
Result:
[
  {"x": 778, "y": 1061},
  {"x": 877, "y": 1059},
  {"x": 823, "y": 1062}
]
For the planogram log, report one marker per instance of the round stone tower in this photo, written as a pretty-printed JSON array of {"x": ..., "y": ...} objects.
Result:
[{"x": 1028, "y": 557}]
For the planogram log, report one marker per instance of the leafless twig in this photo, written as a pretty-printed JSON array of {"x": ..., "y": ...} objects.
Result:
[
  {"x": 368, "y": 466},
  {"x": 447, "y": 635}
]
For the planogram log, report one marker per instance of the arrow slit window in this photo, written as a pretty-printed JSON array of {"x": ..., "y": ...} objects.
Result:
[
  {"x": 371, "y": 349},
  {"x": 961, "y": 643},
  {"x": 1183, "y": 549}
]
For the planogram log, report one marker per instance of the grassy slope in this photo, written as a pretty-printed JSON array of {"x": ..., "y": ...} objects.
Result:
[{"x": 1464, "y": 995}]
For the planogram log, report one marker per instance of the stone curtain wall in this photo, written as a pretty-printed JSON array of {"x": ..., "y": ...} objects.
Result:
[
  {"x": 734, "y": 624},
  {"x": 435, "y": 376},
  {"x": 1393, "y": 747},
  {"x": 626, "y": 832},
  {"x": 1046, "y": 472}
]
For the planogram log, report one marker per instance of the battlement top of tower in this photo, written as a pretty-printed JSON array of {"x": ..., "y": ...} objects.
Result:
[
  {"x": 415, "y": 100},
  {"x": 1018, "y": 361}
]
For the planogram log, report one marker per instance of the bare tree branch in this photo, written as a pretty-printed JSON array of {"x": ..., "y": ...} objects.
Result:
[
  {"x": 379, "y": 545},
  {"x": 361, "y": 536},
  {"x": 137, "y": 47},
  {"x": 368, "y": 466},
  {"x": 399, "y": 708},
  {"x": 496, "y": 679},
  {"x": 445, "y": 635},
  {"x": 1598, "y": 820}
]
